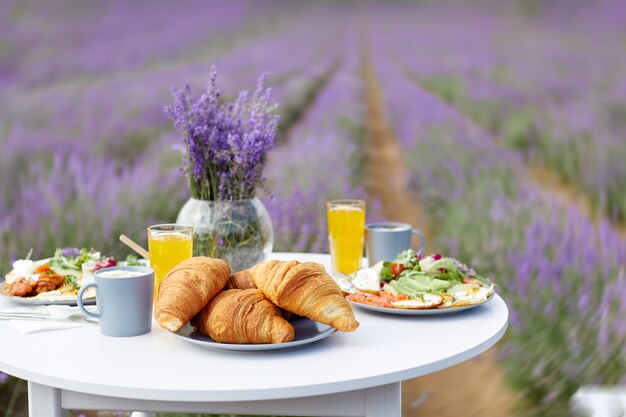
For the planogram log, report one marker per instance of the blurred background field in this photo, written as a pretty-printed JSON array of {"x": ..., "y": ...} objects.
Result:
[{"x": 510, "y": 117}]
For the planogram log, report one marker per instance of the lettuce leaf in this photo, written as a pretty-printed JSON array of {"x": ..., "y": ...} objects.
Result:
[
  {"x": 408, "y": 258},
  {"x": 445, "y": 268},
  {"x": 385, "y": 272}
]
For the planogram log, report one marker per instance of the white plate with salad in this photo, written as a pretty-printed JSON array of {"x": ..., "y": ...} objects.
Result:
[
  {"x": 56, "y": 280},
  {"x": 416, "y": 285}
]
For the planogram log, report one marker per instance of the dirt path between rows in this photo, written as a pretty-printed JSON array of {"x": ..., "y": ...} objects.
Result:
[{"x": 473, "y": 388}]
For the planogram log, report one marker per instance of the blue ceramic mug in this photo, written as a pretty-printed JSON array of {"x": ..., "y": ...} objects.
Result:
[
  {"x": 385, "y": 240},
  {"x": 124, "y": 299}
]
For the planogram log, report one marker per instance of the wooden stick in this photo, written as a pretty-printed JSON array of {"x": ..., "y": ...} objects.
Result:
[{"x": 134, "y": 246}]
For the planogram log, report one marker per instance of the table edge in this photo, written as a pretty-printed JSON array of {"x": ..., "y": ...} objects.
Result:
[{"x": 269, "y": 394}]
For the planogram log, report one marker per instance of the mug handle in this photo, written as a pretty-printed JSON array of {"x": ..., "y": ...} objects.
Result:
[
  {"x": 81, "y": 306},
  {"x": 419, "y": 234}
]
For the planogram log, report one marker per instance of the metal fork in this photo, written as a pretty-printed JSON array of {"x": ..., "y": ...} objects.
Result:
[{"x": 46, "y": 318}]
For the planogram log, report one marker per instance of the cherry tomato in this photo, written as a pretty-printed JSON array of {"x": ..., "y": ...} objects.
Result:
[
  {"x": 470, "y": 280},
  {"x": 396, "y": 269}
]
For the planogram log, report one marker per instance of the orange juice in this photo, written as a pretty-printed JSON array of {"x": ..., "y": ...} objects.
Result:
[
  {"x": 167, "y": 249},
  {"x": 346, "y": 223}
]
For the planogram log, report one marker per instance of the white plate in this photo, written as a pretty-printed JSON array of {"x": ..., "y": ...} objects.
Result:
[
  {"x": 38, "y": 301},
  {"x": 418, "y": 312},
  {"x": 306, "y": 332}
]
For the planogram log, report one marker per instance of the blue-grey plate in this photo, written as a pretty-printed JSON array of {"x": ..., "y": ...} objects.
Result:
[
  {"x": 37, "y": 301},
  {"x": 418, "y": 312},
  {"x": 306, "y": 332}
]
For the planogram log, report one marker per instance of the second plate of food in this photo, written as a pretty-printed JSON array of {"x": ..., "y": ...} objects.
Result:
[{"x": 306, "y": 332}]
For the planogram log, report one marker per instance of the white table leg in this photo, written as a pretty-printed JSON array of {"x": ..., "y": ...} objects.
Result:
[
  {"x": 384, "y": 401},
  {"x": 44, "y": 401}
]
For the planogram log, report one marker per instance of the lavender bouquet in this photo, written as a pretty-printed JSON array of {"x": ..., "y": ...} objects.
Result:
[{"x": 225, "y": 146}]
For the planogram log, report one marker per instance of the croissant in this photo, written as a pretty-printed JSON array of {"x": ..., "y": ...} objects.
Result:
[
  {"x": 243, "y": 316},
  {"x": 187, "y": 288},
  {"x": 241, "y": 280},
  {"x": 305, "y": 289}
]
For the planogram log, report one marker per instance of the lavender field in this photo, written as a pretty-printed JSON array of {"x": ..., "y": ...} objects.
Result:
[{"x": 478, "y": 94}]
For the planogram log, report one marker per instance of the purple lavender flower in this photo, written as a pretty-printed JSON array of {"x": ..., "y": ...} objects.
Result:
[
  {"x": 3, "y": 378},
  {"x": 225, "y": 144},
  {"x": 70, "y": 252}
]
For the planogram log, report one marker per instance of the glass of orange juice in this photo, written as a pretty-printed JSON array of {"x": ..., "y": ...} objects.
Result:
[
  {"x": 346, "y": 229},
  {"x": 169, "y": 245}
]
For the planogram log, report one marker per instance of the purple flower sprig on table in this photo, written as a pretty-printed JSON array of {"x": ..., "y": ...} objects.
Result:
[{"x": 225, "y": 144}]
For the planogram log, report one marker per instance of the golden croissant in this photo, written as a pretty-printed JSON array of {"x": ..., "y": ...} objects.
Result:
[
  {"x": 243, "y": 316},
  {"x": 187, "y": 288},
  {"x": 304, "y": 289},
  {"x": 241, "y": 280}
]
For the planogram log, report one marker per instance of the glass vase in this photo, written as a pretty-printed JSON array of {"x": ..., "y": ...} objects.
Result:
[{"x": 239, "y": 232}]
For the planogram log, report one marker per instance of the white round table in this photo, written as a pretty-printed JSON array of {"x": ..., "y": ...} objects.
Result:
[{"x": 348, "y": 374}]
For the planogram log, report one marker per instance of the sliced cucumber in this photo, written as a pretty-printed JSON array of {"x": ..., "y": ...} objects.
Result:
[
  {"x": 441, "y": 284},
  {"x": 406, "y": 289},
  {"x": 413, "y": 285},
  {"x": 394, "y": 285},
  {"x": 422, "y": 279},
  {"x": 390, "y": 289}
]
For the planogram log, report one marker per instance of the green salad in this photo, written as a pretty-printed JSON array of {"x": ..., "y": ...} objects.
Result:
[
  {"x": 410, "y": 274},
  {"x": 412, "y": 281}
]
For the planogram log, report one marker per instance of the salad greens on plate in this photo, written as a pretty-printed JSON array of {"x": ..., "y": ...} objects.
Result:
[{"x": 411, "y": 281}]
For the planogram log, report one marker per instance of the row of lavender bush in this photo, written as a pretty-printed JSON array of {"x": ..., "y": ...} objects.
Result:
[
  {"x": 320, "y": 161},
  {"x": 551, "y": 85},
  {"x": 102, "y": 154},
  {"x": 563, "y": 276},
  {"x": 120, "y": 113}
]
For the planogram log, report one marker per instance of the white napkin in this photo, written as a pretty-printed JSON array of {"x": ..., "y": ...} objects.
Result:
[
  {"x": 57, "y": 318},
  {"x": 34, "y": 326}
]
